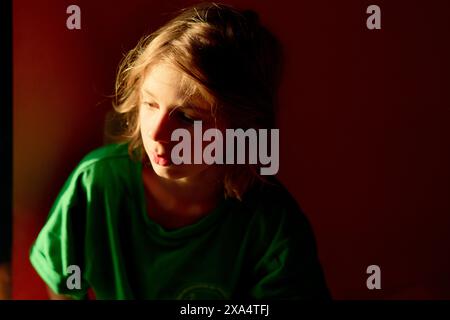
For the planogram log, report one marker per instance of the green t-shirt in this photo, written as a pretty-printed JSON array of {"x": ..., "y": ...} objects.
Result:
[{"x": 260, "y": 248}]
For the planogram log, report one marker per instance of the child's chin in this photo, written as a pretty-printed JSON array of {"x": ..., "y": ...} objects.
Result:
[{"x": 169, "y": 172}]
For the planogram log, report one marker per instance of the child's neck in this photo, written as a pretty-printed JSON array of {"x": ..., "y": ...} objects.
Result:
[{"x": 190, "y": 198}]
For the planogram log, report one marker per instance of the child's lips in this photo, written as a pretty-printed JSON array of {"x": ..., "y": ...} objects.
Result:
[{"x": 161, "y": 159}]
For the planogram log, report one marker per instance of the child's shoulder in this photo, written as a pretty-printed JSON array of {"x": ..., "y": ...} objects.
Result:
[
  {"x": 273, "y": 203},
  {"x": 276, "y": 216},
  {"x": 106, "y": 157},
  {"x": 105, "y": 163},
  {"x": 106, "y": 153},
  {"x": 270, "y": 194}
]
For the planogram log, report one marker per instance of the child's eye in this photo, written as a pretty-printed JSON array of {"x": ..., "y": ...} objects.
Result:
[
  {"x": 150, "y": 104},
  {"x": 186, "y": 118}
]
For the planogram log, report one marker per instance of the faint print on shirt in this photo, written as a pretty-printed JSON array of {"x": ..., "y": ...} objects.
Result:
[{"x": 201, "y": 291}]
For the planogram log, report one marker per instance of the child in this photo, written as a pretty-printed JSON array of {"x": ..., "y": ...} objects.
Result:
[{"x": 132, "y": 224}]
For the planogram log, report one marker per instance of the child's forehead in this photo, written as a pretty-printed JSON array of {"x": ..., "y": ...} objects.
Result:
[{"x": 163, "y": 81}]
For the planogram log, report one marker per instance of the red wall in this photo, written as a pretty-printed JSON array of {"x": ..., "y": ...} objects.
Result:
[{"x": 364, "y": 126}]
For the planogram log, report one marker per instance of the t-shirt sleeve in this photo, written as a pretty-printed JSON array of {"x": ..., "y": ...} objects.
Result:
[
  {"x": 58, "y": 252},
  {"x": 289, "y": 267}
]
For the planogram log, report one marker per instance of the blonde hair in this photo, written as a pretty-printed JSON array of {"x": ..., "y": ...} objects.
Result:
[{"x": 228, "y": 58}]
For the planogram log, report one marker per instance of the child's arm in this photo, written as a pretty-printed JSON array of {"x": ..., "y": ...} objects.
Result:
[
  {"x": 289, "y": 267},
  {"x": 60, "y": 243}
]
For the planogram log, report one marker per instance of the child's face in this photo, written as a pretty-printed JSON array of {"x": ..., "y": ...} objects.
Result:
[{"x": 162, "y": 110}]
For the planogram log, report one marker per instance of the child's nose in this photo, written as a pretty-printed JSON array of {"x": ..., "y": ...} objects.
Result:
[{"x": 162, "y": 127}]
